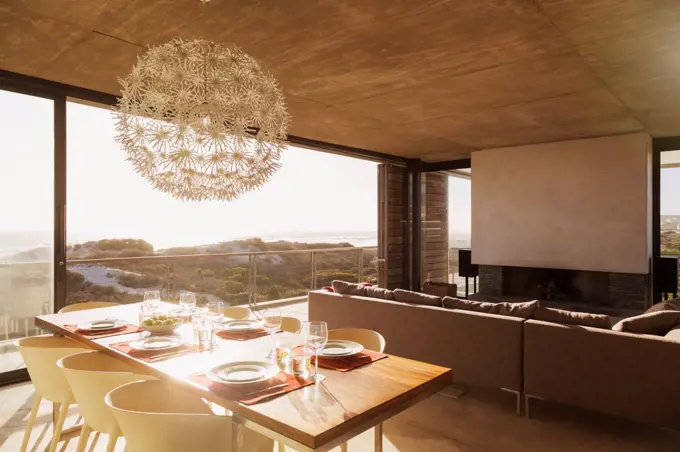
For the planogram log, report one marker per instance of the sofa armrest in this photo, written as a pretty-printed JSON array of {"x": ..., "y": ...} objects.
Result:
[{"x": 624, "y": 374}]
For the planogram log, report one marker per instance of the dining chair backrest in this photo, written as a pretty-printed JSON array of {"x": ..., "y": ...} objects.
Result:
[
  {"x": 153, "y": 421},
  {"x": 371, "y": 340},
  {"x": 91, "y": 375},
  {"x": 87, "y": 305},
  {"x": 40, "y": 354},
  {"x": 291, "y": 324},
  {"x": 237, "y": 312}
]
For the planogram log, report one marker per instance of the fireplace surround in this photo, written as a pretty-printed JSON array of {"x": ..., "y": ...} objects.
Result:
[{"x": 619, "y": 290}]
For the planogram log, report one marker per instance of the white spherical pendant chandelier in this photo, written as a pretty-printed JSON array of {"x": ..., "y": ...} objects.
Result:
[{"x": 201, "y": 121}]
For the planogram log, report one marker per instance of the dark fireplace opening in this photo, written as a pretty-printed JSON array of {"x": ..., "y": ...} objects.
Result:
[
  {"x": 556, "y": 284},
  {"x": 562, "y": 287}
]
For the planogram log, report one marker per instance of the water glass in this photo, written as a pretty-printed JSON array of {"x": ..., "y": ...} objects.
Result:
[
  {"x": 271, "y": 322},
  {"x": 152, "y": 299},
  {"x": 215, "y": 311},
  {"x": 187, "y": 300},
  {"x": 316, "y": 336},
  {"x": 302, "y": 362},
  {"x": 203, "y": 331}
]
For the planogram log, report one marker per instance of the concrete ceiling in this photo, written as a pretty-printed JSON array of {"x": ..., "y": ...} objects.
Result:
[{"x": 414, "y": 78}]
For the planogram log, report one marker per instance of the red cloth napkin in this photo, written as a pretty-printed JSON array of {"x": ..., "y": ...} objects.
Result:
[
  {"x": 242, "y": 335},
  {"x": 350, "y": 362},
  {"x": 151, "y": 356},
  {"x": 127, "y": 329},
  {"x": 250, "y": 394}
]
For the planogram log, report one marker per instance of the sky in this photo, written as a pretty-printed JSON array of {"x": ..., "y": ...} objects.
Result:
[{"x": 313, "y": 192}]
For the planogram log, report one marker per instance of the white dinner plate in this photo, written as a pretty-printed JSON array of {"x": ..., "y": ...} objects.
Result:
[
  {"x": 336, "y": 348},
  {"x": 156, "y": 343},
  {"x": 242, "y": 325},
  {"x": 242, "y": 372},
  {"x": 101, "y": 325}
]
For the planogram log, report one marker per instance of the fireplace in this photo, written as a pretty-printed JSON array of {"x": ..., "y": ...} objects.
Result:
[{"x": 620, "y": 290}]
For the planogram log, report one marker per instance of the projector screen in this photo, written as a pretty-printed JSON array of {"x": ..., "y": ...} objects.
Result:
[{"x": 581, "y": 205}]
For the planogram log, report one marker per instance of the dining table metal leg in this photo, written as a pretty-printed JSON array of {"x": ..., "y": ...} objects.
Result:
[
  {"x": 379, "y": 437},
  {"x": 234, "y": 435}
]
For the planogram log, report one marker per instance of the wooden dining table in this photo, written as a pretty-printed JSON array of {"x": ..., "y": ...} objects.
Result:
[{"x": 314, "y": 418}]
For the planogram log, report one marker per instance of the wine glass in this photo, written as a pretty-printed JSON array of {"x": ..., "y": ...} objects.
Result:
[
  {"x": 271, "y": 322},
  {"x": 316, "y": 336},
  {"x": 187, "y": 300}
]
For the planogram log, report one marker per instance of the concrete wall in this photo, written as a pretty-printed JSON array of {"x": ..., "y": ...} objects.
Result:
[{"x": 581, "y": 205}]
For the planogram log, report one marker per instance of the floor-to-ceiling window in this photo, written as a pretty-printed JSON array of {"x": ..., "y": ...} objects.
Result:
[
  {"x": 460, "y": 228},
  {"x": 315, "y": 201},
  {"x": 26, "y": 219},
  {"x": 669, "y": 203}
]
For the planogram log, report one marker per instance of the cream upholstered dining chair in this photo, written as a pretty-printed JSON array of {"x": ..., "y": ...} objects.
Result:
[
  {"x": 91, "y": 375},
  {"x": 291, "y": 324},
  {"x": 87, "y": 305},
  {"x": 155, "y": 416},
  {"x": 40, "y": 354},
  {"x": 371, "y": 340},
  {"x": 237, "y": 312}
]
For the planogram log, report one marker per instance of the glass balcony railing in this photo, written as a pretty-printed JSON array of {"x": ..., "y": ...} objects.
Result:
[{"x": 250, "y": 277}]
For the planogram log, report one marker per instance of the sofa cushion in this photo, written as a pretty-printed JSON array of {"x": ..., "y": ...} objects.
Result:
[
  {"x": 522, "y": 310},
  {"x": 674, "y": 334},
  {"x": 361, "y": 290},
  {"x": 670, "y": 305},
  {"x": 656, "y": 323},
  {"x": 406, "y": 296},
  {"x": 565, "y": 317},
  {"x": 440, "y": 289}
]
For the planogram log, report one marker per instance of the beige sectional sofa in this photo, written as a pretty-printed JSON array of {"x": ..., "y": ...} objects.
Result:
[
  {"x": 482, "y": 349},
  {"x": 635, "y": 376},
  {"x": 628, "y": 375}
]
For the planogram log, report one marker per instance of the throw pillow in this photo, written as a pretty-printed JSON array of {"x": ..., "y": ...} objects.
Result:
[
  {"x": 670, "y": 305},
  {"x": 406, "y": 296},
  {"x": 361, "y": 290},
  {"x": 656, "y": 323},
  {"x": 522, "y": 310},
  {"x": 573, "y": 318}
]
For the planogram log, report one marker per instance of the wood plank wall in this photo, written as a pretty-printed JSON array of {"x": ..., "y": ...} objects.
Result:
[
  {"x": 435, "y": 237},
  {"x": 394, "y": 246}
]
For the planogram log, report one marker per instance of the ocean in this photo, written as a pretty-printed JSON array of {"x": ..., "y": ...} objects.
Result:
[{"x": 13, "y": 242}]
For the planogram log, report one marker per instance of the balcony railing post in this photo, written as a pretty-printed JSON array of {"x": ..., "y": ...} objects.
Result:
[
  {"x": 313, "y": 287},
  {"x": 252, "y": 279},
  {"x": 360, "y": 264}
]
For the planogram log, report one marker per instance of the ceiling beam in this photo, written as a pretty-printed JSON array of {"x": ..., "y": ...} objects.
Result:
[
  {"x": 446, "y": 166},
  {"x": 663, "y": 144}
]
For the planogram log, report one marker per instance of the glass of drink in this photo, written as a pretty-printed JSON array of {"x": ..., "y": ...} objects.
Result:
[
  {"x": 214, "y": 311},
  {"x": 316, "y": 336},
  {"x": 187, "y": 300},
  {"x": 271, "y": 321},
  {"x": 152, "y": 299},
  {"x": 203, "y": 330},
  {"x": 301, "y": 360}
]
